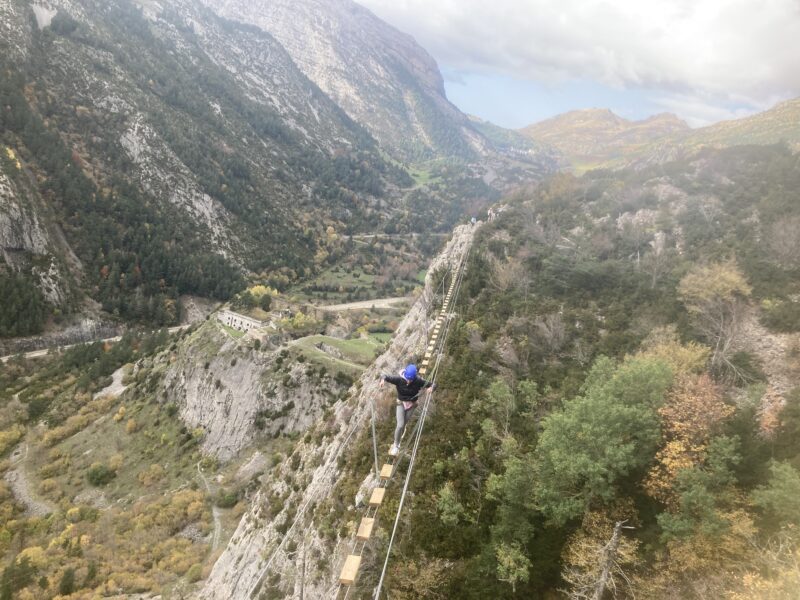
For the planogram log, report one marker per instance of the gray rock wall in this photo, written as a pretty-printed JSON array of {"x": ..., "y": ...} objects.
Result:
[{"x": 257, "y": 549}]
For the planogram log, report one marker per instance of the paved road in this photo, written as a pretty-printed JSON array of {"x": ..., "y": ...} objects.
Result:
[
  {"x": 369, "y": 236},
  {"x": 43, "y": 352},
  {"x": 364, "y": 304}
]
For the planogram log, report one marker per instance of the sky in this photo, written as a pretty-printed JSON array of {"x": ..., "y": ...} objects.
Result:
[{"x": 516, "y": 62}]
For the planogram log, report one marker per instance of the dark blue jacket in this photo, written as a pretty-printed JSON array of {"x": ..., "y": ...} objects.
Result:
[{"x": 408, "y": 391}]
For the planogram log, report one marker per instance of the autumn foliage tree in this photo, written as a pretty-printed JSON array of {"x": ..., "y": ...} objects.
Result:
[
  {"x": 715, "y": 296},
  {"x": 597, "y": 557},
  {"x": 691, "y": 415}
]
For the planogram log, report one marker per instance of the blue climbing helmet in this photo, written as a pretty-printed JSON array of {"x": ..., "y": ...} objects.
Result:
[{"x": 410, "y": 372}]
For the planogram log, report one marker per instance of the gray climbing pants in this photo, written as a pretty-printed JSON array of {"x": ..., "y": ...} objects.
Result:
[{"x": 403, "y": 416}]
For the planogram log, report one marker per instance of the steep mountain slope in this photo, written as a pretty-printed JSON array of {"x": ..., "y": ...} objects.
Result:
[
  {"x": 583, "y": 387},
  {"x": 380, "y": 76},
  {"x": 296, "y": 505},
  {"x": 217, "y": 447},
  {"x": 159, "y": 131},
  {"x": 39, "y": 273},
  {"x": 597, "y": 136}
]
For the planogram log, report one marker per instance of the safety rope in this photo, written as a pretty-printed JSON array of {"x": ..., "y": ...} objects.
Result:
[
  {"x": 359, "y": 546},
  {"x": 329, "y": 469},
  {"x": 421, "y": 425}
]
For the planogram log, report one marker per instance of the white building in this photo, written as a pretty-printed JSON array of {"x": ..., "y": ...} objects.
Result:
[{"x": 237, "y": 321}]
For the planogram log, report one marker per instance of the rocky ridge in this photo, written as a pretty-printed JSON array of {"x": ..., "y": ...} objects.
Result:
[{"x": 257, "y": 548}]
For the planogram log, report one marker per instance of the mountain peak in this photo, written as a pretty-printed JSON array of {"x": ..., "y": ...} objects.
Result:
[
  {"x": 666, "y": 117},
  {"x": 587, "y": 137}
]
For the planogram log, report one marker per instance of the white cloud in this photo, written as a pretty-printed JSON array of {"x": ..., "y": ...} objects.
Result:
[{"x": 701, "y": 55}]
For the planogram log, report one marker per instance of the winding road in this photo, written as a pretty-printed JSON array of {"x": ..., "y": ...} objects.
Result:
[
  {"x": 45, "y": 351},
  {"x": 364, "y": 304}
]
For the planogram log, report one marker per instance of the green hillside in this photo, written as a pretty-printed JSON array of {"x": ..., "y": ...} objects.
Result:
[
  {"x": 595, "y": 139},
  {"x": 587, "y": 383}
]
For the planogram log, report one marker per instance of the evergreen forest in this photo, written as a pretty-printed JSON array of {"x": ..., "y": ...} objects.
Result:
[{"x": 606, "y": 381}]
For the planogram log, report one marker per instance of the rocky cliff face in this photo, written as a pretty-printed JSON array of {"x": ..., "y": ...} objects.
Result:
[
  {"x": 380, "y": 76},
  {"x": 278, "y": 516},
  {"x": 158, "y": 87},
  {"x": 235, "y": 392},
  {"x": 20, "y": 229},
  {"x": 27, "y": 244}
]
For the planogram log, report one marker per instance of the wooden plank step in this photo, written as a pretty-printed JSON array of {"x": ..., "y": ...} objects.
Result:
[
  {"x": 425, "y": 363},
  {"x": 377, "y": 496},
  {"x": 386, "y": 471},
  {"x": 350, "y": 570},
  {"x": 365, "y": 529}
]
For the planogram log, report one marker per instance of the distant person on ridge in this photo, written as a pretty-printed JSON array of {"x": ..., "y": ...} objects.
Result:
[{"x": 408, "y": 385}]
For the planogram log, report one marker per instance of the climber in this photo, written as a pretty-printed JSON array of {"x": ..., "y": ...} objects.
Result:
[{"x": 408, "y": 385}]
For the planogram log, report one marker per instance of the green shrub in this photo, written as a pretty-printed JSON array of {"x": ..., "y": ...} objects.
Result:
[
  {"x": 67, "y": 584},
  {"x": 99, "y": 474},
  {"x": 37, "y": 407},
  {"x": 227, "y": 498},
  {"x": 195, "y": 573},
  {"x": 783, "y": 316}
]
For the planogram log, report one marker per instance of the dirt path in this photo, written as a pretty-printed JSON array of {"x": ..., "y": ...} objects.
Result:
[
  {"x": 116, "y": 388},
  {"x": 215, "y": 512},
  {"x": 365, "y": 304},
  {"x": 20, "y": 486}
]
